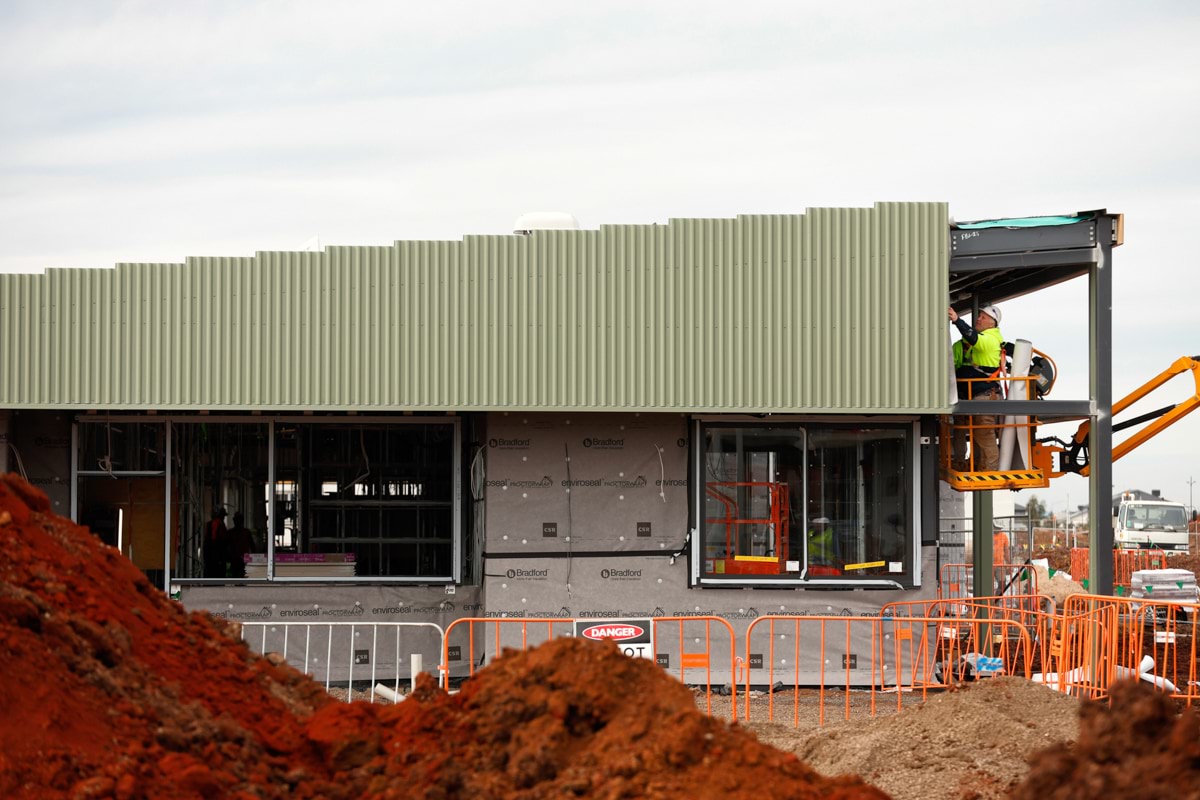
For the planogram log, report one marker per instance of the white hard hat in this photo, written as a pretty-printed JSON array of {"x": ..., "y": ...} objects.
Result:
[
  {"x": 821, "y": 521},
  {"x": 992, "y": 311}
]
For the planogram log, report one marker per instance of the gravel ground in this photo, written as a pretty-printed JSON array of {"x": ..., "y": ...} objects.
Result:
[
  {"x": 966, "y": 743},
  {"x": 804, "y": 710}
]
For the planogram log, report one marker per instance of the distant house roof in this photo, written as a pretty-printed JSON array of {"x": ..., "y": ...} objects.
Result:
[{"x": 1136, "y": 494}]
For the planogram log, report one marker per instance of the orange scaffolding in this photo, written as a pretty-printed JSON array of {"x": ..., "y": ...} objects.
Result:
[{"x": 739, "y": 558}]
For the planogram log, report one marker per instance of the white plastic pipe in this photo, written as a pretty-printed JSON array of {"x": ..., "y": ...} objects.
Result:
[
  {"x": 416, "y": 667},
  {"x": 1143, "y": 672},
  {"x": 1051, "y": 679},
  {"x": 387, "y": 693},
  {"x": 1022, "y": 355}
]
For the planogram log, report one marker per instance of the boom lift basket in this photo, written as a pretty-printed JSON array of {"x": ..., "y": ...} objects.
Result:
[{"x": 1073, "y": 455}]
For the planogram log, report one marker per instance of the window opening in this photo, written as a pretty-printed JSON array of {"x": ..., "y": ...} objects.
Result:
[{"x": 805, "y": 502}]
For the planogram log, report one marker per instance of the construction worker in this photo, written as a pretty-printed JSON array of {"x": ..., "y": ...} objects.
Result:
[
  {"x": 958, "y": 440},
  {"x": 999, "y": 556},
  {"x": 982, "y": 354},
  {"x": 999, "y": 544},
  {"x": 820, "y": 542}
]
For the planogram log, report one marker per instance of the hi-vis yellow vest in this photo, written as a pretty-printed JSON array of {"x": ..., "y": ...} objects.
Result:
[{"x": 987, "y": 349}]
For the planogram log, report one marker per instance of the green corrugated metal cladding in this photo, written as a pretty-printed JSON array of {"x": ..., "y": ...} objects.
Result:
[{"x": 834, "y": 310}]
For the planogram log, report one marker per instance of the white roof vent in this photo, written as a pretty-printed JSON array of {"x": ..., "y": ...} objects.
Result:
[{"x": 545, "y": 221}]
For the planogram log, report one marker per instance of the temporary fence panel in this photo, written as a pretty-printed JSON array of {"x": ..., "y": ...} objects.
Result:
[
  {"x": 1125, "y": 563},
  {"x": 1082, "y": 652},
  {"x": 472, "y": 642},
  {"x": 813, "y": 654},
  {"x": 1009, "y": 628},
  {"x": 699, "y": 651},
  {"x": 1164, "y": 648},
  {"x": 954, "y": 544},
  {"x": 815, "y": 659},
  {"x": 958, "y": 621},
  {"x": 1149, "y": 639},
  {"x": 935, "y": 652},
  {"x": 337, "y": 652}
]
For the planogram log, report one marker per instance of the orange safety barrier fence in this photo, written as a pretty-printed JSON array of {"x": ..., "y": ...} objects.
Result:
[
  {"x": 1125, "y": 563},
  {"x": 958, "y": 618},
  {"x": 1081, "y": 652},
  {"x": 815, "y": 656},
  {"x": 1164, "y": 632},
  {"x": 701, "y": 653},
  {"x": 965, "y": 606},
  {"x": 521, "y": 634},
  {"x": 956, "y": 580},
  {"x": 911, "y": 649},
  {"x": 690, "y": 640}
]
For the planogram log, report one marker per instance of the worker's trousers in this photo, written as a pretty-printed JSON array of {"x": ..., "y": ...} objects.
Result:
[{"x": 985, "y": 447}]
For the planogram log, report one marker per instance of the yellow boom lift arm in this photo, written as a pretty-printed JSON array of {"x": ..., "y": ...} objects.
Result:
[{"x": 1073, "y": 455}]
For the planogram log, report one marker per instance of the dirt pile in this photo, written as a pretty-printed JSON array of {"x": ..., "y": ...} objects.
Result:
[
  {"x": 1059, "y": 587},
  {"x": 571, "y": 718},
  {"x": 1188, "y": 561},
  {"x": 1059, "y": 556},
  {"x": 973, "y": 742},
  {"x": 110, "y": 690},
  {"x": 1139, "y": 747}
]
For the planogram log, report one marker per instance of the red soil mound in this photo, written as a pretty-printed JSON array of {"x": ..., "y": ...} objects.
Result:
[
  {"x": 1139, "y": 747},
  {"x": 109, "y": 689},
  {"x": 575, "y": 718}
]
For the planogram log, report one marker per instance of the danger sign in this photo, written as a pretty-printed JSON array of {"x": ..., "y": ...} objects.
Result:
[
  {"x": 616, "y": 632},
  {"x": 635, "y": 637}
]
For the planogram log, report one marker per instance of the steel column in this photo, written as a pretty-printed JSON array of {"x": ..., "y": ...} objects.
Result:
[{"x": 1100, "y": 532}]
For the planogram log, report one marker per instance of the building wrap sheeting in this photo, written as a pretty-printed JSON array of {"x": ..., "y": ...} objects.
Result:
[
  {"x": 327, "y": 631},
  {"x": 834, "y": 310},
  {"x": 607, "y": 571},
  {"x": 621, "y": 587},
  {"x": 593, "y": 482}
]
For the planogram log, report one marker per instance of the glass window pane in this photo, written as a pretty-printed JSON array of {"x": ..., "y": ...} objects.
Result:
[
  {"x": 858, "y": 502},
  {"x": 122, "y": 444},
  {"x": 806, "y": 502},
  {"x": 374, "y": 499},
  {"x": 220, "y": 475},
  {"x": 752, "y": 482}
]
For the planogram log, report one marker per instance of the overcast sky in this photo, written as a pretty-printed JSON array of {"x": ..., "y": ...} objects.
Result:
[{"x": 142, "y": 131}]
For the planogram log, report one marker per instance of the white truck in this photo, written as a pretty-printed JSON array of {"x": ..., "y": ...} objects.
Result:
[{"x": 1151, "y": 524}]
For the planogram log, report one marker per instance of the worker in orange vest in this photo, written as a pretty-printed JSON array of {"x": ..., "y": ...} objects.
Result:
[{"x": 999, "y": 545}]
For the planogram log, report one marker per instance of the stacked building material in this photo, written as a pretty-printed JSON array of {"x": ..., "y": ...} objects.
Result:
[{"x": 1168, "y": 585}]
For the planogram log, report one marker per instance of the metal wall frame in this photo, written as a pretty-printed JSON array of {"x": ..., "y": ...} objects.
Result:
[{"x": 999, "y": 263}]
